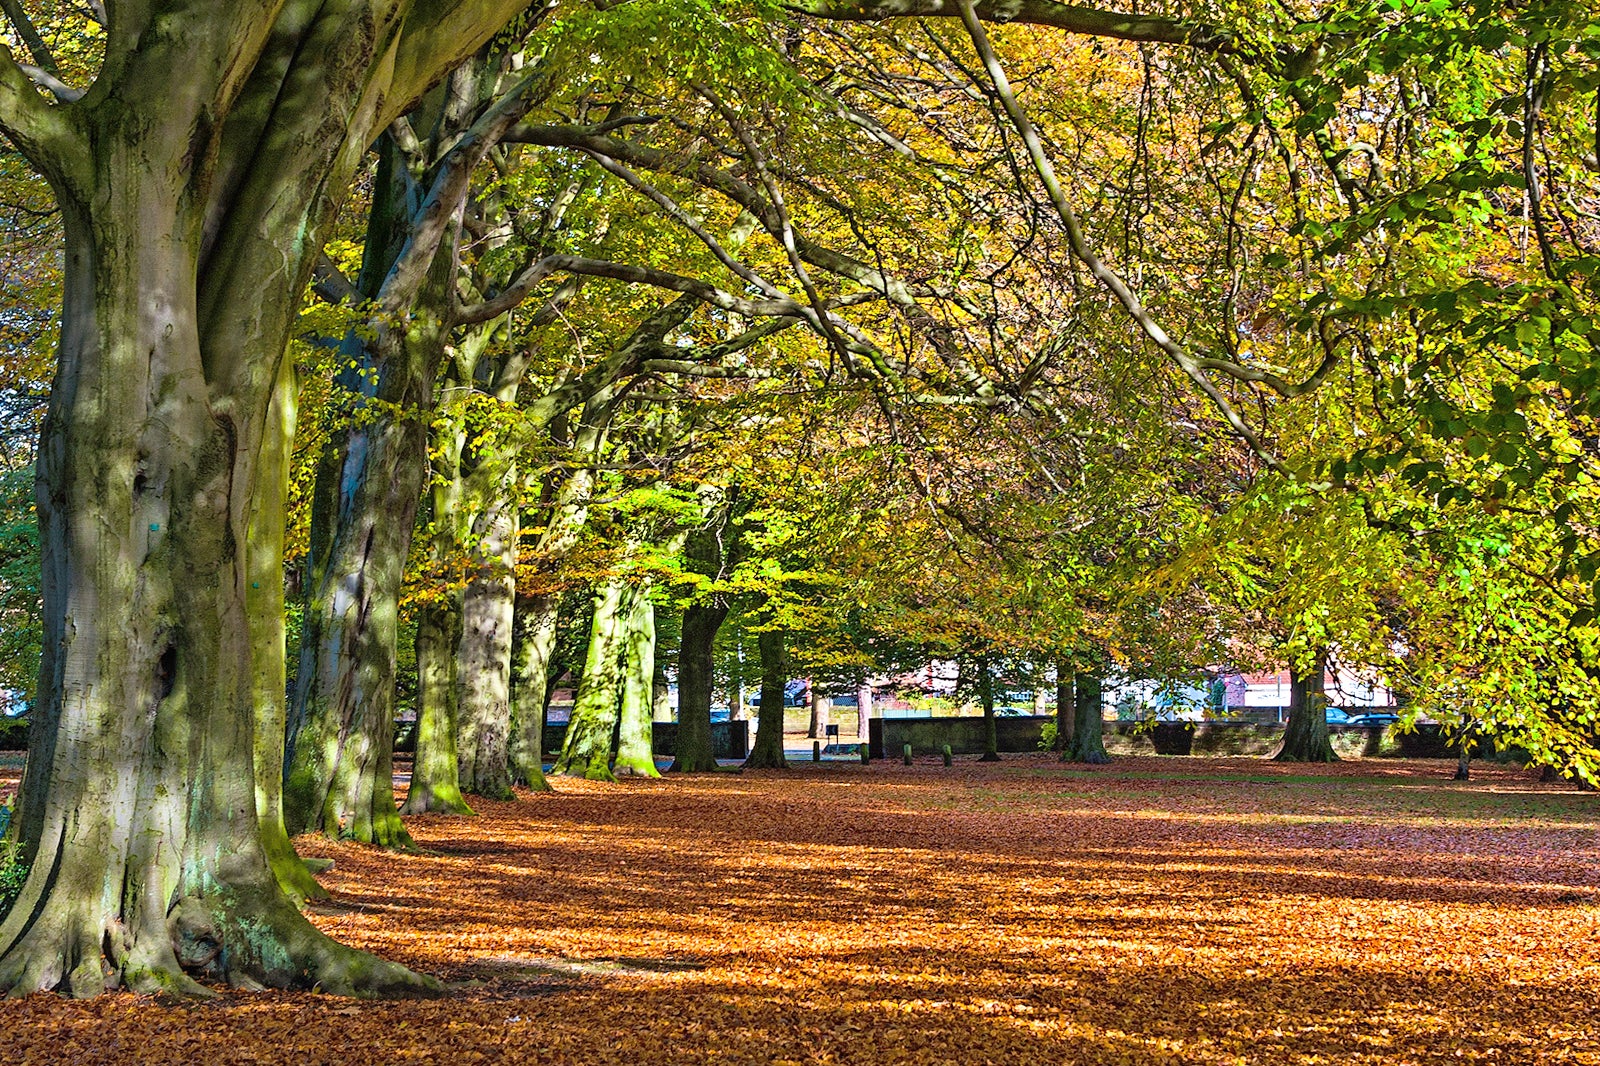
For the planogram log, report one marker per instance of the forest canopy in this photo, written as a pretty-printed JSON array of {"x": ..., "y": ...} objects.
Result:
[{"x": 408, "y": 360}]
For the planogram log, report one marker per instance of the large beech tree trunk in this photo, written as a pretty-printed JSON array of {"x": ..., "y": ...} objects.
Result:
[
  {"x": 695, "y": 683},
  {"x": 1088, "y": 726},
  {"x": 1305, "y": 738},
  {"x": 194, "y": 182},
  {"x": 340, "y": 777},
  {"x": 483, "y": 679},
  {"x": 767, "y": 751},
  {"x": 535, "y": 624},
  {"x": 635, "y": 754},
  {"x": 586, "y": 751}
]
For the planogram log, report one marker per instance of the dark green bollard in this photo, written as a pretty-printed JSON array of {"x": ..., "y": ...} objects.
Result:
[
  {"x": 907, "y": 754},
  {"x": 947, "y": 755},
  {"x": 866, "y": 753},
  {"x": 816, "y": 751}
]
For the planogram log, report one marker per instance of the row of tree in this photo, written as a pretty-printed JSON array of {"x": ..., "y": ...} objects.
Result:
[{"x": 855, "y": 321}]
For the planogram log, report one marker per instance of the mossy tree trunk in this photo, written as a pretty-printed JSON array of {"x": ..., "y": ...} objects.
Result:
[
  {"x": 434, "y": 778},
  {"x": 185, "y": 258},
  {"x": 265, "y": 602},
  {"x": 483, "y": 670},
  {"x": 535, "y": 626},
  {"x": 696, "y": 679},
  {"x": 1088, "y": 725},
  {"x": 369, "y": 483},
  {"x": 635, "y": 734},
  {"x": 991, "y": 739},
  {"x": 767, "y": 751},
  {"x": 1065, "y": 713},
  {"x": 1305, "y": 738},
  {"x": 586, "y": 751}
]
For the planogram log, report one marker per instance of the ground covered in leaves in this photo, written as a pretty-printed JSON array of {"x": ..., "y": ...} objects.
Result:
[{"x": 1156, "y": 910}]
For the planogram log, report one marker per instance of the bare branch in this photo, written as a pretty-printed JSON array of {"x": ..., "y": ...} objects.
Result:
[
  {"x": 1107, "y": 277},
  {"x": 1094, "y": 22}
]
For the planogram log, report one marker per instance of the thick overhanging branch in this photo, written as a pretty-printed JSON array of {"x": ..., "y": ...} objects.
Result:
[
  {"x": 1095, "y": 22},
  {"x": 449, "y": 190},
  {"x": 43, "y": 133},
  {"x": 540, "y": 271}
]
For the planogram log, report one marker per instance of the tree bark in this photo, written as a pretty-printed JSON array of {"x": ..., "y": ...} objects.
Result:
[
  {"x": 535, "y": 624},
  {"x": 767, "y": 751},
  {"x": 369, "y": 485},
  {"x": 1065, "y": 723},
  {"x": 1088, "y": 726},
  {"x": 635, "y": 751},
  {"x": 1305, "y": 738},
  {"x": 821, "y": 708},
  {"x": 269, "y": 665},
  {"x": 695, "y": 682},
  {"x": 586, "y": 751},
  {"x": 863, "y": 712},
  {"x": 340, "y": 780},
  {"x": 991, "y": 740},
  {"x": 185, "y": 258},
  {"x": 435, "y": 779},
  {"x": 483, "y": 680}
]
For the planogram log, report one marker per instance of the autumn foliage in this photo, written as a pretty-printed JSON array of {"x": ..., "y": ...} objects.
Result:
[{"x": 1222, "y": 911}]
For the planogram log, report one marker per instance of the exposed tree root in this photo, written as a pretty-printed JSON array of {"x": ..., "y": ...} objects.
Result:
[{"x": 240, "y": 939}]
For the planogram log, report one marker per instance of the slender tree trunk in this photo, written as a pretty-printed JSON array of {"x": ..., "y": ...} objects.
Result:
[
  {"x": 483, "y": 679},
  {"x": 1064, "y": 709},
  {"x": 635, "y": 749},
  {"x": 737, "y": 708},
  {"x": 434, "y": 775},
  {"x": 1088, "y": 727},
  {"x": 695, "y": 682},
  {"x": 435, "y": 769},
  {"x": 821, "y": 708},
  {"x": 536, "y": 624},
  {"x": 586, "y": 752},
  {"x": 991, "y": 741},
  {"x": 1305, "y": 739},
  {"x": 369, "y": 485},
  {"x": 767, "y": 751},
  {"x": 863, "y": 712},
  {"x": 269, "y": 679}
]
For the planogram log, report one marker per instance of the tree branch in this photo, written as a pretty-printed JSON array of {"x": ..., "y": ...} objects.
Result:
[
  {"x": 1094, "y": 22},
  {"x": 43, "y": 133},
  {"x": 1080, "y": 245}
]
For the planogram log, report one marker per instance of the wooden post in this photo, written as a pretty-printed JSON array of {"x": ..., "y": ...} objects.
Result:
[
  {"x": 816, "y": 751},
  {"x": 908, "y": 754},
  {"x": 947, "y": 755}
]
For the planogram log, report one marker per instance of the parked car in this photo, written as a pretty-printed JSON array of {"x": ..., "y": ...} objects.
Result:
[
  {"x": 1377, "y": 718},
  {"x": 1337, "y": 717}
]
